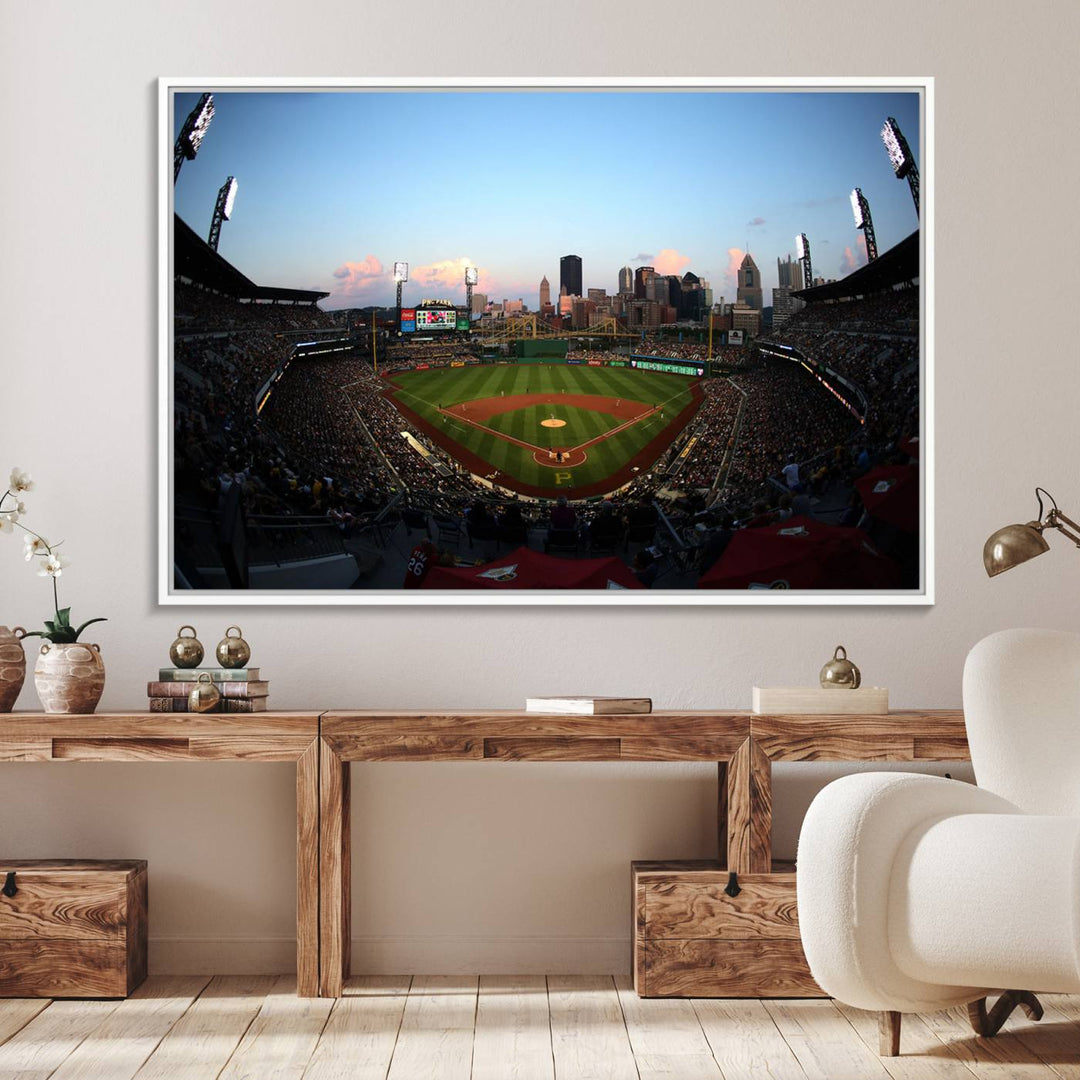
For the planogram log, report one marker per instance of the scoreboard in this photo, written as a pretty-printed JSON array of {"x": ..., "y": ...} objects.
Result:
[
  {"x": 436, "y": 319},
  {"x": 671, "y": 365}
]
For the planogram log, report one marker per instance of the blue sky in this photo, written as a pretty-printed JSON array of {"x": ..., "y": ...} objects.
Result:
[{"x": 334, "y": 187}]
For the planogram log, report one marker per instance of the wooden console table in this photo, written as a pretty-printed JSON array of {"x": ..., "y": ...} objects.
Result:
[
  {"x": 742, "y": 744},
  {"x": 322, "y": 745},
  {"x": 260, "y": 737}
]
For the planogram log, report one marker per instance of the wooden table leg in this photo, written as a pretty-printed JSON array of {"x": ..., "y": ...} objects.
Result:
[
  {"x": 722, "y": 813},
  {"x": 334, "y": 872},
  {"x": 749, "y": 810},
  {"x": 307, "y": 872}
]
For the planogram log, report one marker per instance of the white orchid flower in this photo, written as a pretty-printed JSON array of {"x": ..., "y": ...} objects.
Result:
[
  {"x": 34, "y": 545},
  {"x": 20, "y": 481},
  {"x": 7, "y": 521},
  {"x": 54, "y": 565}
]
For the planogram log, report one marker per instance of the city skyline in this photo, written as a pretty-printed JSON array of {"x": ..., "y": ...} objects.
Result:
[{"x": 334, "y": 187}]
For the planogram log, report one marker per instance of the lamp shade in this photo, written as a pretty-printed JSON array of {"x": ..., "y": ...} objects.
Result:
[{"x": 1012, "y": 545}]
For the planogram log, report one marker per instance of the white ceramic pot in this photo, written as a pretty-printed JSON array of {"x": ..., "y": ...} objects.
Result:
[{"x": 69, "y": 678}]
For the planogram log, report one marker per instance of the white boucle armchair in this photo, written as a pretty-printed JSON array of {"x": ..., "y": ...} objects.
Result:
[{"x": 918, "y": 893}]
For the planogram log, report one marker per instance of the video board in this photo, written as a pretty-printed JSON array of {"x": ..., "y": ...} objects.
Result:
[
  {"x": 671, "y": 366},
  {"x": 436, "y": 319}
]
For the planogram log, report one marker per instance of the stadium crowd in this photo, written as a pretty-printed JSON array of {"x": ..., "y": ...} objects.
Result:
[{"x": 766, "y": 442}]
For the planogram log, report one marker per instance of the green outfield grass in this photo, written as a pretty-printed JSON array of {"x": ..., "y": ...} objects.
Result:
[{"x": 425, "y": 392}]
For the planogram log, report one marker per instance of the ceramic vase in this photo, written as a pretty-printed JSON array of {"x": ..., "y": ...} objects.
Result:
[
  {"x": 12, "y": 666},
  {"x": 69, "y": 678}
]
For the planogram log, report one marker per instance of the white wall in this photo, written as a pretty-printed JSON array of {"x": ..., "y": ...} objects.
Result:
[{"x": 494, "y": 867}]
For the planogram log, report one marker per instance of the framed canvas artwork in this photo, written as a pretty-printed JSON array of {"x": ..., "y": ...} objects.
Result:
[{"x": 651, "y": 341}]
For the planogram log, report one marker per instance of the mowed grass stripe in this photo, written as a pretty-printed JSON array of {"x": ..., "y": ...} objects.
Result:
[{"x": 425, "y": 390}]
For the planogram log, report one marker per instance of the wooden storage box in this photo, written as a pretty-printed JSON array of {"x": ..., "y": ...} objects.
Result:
[
  {"x": 72, "y": 928},
  {"x": 691, "y": 939}
]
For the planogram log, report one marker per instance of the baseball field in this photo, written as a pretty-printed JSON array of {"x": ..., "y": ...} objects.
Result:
[{"x": 548, "y": 429}]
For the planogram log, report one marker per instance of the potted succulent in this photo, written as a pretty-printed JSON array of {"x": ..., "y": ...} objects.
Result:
[{"x": 69, "y": 674}]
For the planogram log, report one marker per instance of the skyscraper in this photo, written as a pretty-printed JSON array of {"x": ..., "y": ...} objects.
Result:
[
  {"x": 626, "y": 280},
  {"x": 641, "y": 277},
  {"x": 749, "y": 291},
  {"x": 789, "y": 274},
  {"x": 545, "y": 291},
  {"x": 570, "y": 274}
]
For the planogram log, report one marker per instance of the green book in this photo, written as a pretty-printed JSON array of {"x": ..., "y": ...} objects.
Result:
[{"x": 217, "y": 674}]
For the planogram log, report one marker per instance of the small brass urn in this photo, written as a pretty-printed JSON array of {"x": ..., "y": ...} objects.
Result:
[
  {"x": 233, "y": 652},
  {"x": 204, "y": 696},
  {"x": 186, "y": 651},
  {"x": 840, "y": 673}
]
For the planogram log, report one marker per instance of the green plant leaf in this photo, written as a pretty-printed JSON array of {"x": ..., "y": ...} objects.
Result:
[
  {"x": 63, "y": 617},
  {"x": 50, "y": 625},
  {"x": 86, "y": 624}
]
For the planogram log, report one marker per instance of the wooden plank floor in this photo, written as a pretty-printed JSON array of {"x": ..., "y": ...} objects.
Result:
[{"x": 524, "y": 1027}]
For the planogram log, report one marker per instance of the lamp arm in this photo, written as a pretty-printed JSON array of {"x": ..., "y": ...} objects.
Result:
[{"x": 1055, "y": 518}]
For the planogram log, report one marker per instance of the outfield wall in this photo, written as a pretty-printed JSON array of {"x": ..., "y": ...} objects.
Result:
[{"x": 537, "y": 350}]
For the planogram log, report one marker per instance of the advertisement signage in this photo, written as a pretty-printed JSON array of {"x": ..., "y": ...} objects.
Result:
[
  {"x": 735, "y": 337},
  {"x": 408, "y": 320},
  {"x": 669, "y": 366},
  {"x": 463, "y": 322}
]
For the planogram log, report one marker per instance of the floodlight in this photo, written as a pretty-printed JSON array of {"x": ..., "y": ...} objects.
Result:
[
  {"x": 401, "y": 271},
  {"x": 800, "y": 246},
  {"x": 197, "y": 124},
  {"x": 226, "y": 196},
  {"x": 897, "y": 147},
  {"x": 192, "y": 133},
  {"x": 856, "y": 208},
  {"x": 230, "y": 198},
  {"x": 471, "y": 275}
]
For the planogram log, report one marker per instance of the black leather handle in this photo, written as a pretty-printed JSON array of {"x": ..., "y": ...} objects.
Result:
[
  {"x": 732, "y": 887},
  {"x": 9, "y": 884}
]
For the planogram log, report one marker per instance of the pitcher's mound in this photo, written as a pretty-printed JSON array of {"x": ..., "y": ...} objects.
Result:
[{"x": 553, "y": 423}]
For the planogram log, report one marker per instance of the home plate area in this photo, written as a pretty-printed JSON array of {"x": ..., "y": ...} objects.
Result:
[{"x": 561, "y": 457}]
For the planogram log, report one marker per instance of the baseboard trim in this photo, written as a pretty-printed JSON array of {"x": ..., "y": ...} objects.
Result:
[{"x": 431, "y": 954}]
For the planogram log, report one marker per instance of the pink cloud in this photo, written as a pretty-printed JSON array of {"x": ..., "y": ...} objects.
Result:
[
  {"x": 731, "y": 274},
  {"x": 670, "y": 261},
  {"x": 449, "y": 276},
  {"x": 851, "y": 260},
  {"x": 355, "y": 281}
]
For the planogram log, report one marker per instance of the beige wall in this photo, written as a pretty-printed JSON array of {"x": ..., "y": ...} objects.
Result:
[{"x": 494, "y": 867}]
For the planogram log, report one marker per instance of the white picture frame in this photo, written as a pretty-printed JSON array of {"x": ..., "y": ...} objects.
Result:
[{"x": 170, "y": 594}]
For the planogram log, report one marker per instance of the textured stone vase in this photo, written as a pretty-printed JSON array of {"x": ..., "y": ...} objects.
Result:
[
  {"x": 69, "y": 678},
  {"x": 12, "y": 666}
]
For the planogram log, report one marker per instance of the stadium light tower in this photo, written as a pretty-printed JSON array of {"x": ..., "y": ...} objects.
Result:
[
  {"x": 901, "y": 158},
  {"x": 223, "y": 209},
  {"x": 192, "y": 133},
  {"x": 471, "y": 278},
  {"x": 802, "y": 253},
  {"x": 401, "y": 275},
  {"x": 861, "y": 209}
]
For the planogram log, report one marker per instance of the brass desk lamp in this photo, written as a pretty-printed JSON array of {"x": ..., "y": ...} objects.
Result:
[{"x": 1014, "y": 544}]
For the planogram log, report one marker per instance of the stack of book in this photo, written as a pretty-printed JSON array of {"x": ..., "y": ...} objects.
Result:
[{"x": 241, "y": 689}]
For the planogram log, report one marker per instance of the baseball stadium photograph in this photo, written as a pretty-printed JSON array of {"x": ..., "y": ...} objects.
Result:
[{"x": 540, "y": 342}]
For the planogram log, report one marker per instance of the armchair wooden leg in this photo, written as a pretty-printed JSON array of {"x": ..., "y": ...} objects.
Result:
[
  {"x": 988, "y": 1024},
  {"x": 889, "y": 1033}
]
